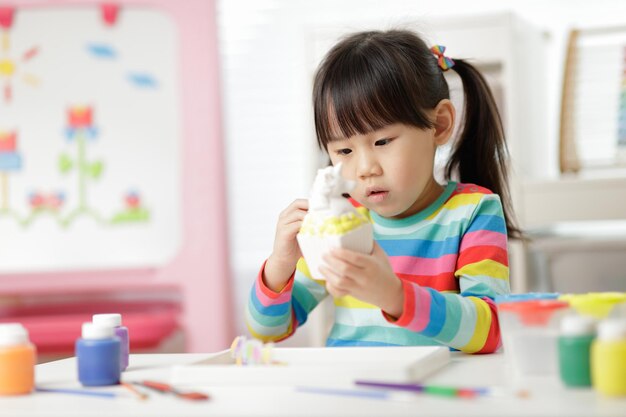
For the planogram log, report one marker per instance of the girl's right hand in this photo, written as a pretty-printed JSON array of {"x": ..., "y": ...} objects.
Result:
[{"x": 286, "y": 252}]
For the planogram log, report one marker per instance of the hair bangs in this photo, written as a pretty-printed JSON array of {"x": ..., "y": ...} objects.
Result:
[
  {"x": 357, "y": 106},
  {"x": 363, "y": 90}
]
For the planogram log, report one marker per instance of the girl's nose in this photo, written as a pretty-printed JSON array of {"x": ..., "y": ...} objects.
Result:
[{"x": 368, "y": 166}]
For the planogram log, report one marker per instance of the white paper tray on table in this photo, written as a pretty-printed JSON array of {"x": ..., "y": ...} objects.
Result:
[{"x": 306, "y": 366}]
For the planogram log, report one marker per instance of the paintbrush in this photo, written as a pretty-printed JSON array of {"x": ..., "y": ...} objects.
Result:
[
  {"x": 141, "y": 395},
  {"x": 164, "y": 388}
]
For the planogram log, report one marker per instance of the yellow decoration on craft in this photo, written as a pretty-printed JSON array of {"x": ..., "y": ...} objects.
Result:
[{"x": 336, "y": 225}]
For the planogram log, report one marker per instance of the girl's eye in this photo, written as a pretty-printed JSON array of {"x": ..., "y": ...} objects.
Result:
[
  {"x": 344, "y": 151},
  {"x": 382, "y": 142}
]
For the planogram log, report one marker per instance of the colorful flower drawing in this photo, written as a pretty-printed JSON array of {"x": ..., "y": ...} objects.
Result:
[
  {"x": 80, "y": 128},
  {"x": 80, "y": 122},
  {"x": 53, "y": 202},
  {"x": 133, "y": 210},
  {"x": 80, "y": 131}
]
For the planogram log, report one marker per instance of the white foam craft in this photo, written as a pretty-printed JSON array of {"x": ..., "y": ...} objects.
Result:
[{"x": 327, "y": 201}]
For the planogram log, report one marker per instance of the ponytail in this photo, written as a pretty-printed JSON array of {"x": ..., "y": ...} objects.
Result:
[{"x": 480, "y": 154}]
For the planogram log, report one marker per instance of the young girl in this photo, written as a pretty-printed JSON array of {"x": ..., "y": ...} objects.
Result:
[{"x": 382, "y": 108}]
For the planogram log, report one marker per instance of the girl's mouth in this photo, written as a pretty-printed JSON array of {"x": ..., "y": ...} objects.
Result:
[{"x": 377, "y": 196}]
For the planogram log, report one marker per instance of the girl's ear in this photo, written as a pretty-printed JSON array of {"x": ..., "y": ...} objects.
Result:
[{"x": 445, "y": 115}]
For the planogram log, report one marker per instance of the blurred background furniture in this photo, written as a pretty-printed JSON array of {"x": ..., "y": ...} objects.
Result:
[
  {"x": 578, "y": 257},
  {"x": 577, "y": 221}
]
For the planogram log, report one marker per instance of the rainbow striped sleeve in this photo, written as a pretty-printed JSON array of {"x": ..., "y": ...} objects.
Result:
[
  {"x": 272, "y": 316},
  {"x": 467, "y": 321}
]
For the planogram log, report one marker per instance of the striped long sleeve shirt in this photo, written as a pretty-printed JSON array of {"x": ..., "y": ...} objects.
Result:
[{"x": 452, "y": 259}]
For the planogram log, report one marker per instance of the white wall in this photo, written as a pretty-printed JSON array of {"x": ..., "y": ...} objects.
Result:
[{"x": 266, "y": 66}]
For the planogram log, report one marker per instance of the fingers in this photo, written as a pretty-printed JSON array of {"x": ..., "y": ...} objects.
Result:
[
  {"x": 336, "y": 285},
  {"x": 293, "y": 217},
  {"x": 295, "y": 212},
  {"x": 291, "y": 229},
  {"x": 355, "y": 259},
  {"x": 287, "y": 227},
  {"x": 342, "y": 264},
  {"x": 336, "y": 293},
  {"x": 341, "y": 276},
  {"x": 343, "y": 271},
  {"x": 300, "y": 204}
]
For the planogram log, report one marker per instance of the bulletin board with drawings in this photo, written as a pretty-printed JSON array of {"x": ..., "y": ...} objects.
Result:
[{"x": 89, "y": 138}]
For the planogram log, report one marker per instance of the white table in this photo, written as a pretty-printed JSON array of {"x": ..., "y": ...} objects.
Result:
[{"x": 547, "y": 396}]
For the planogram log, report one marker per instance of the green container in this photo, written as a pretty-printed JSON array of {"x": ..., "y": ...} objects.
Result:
[{"x": 574, "y": 363}]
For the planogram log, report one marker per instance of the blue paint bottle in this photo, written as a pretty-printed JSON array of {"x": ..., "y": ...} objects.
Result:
[
  {"x": 98, "y": 356},
  {"x": 115, "y": 321}
]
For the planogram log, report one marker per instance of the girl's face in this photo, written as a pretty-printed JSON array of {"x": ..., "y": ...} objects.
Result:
[{"x": 392, "y": 168}]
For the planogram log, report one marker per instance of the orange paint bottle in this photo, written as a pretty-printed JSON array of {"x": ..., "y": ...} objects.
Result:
[{"x": 17, "y": 360}]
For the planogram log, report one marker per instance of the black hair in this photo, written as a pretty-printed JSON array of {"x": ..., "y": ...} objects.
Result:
[{"x": 373, "y": 79}]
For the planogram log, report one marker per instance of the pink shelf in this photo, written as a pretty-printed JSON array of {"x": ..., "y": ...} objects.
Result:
[{"x": 54, "y": 328}]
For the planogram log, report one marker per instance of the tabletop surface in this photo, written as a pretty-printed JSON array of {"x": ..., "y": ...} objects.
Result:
[{"x": 545, "y": 396}]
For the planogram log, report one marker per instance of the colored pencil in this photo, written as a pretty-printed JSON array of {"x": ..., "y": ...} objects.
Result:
[
  {"x": 440, "y": 390},
  {"x": 346, "y": 392},
  {"x": 101, "y": 394}
]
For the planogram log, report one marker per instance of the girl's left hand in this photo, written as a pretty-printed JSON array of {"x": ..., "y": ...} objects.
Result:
[{"x": 368, "y": 278}]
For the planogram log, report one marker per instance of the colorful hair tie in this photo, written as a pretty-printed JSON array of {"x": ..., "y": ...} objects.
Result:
[{"x": 444, "y": 62}]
